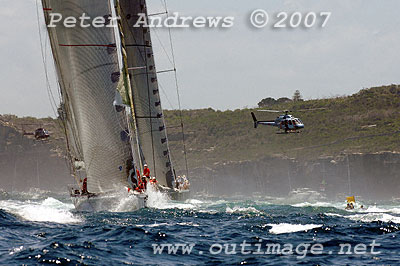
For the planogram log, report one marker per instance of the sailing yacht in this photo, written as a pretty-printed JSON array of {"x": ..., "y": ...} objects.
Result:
[{"x": 110, "y": 109}]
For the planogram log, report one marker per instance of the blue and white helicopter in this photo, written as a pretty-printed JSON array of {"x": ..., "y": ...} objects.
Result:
[{"x": 286, "y": 122}]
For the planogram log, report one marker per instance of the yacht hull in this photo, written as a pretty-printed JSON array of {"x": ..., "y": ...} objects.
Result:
[{"x": 106, "y": 202}]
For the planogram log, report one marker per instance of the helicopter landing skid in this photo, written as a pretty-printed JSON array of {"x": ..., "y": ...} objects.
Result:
[{"x": 288, "y": 132}]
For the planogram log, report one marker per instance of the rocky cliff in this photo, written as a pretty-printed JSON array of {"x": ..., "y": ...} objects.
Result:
[
  {"x": 338, "y": 153},
  {"x": 370, "y": 176},
  {"x": 27, "y": 163}
]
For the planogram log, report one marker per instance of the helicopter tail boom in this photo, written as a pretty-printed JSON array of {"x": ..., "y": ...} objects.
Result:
[
  {"x": 265, "y": 123},
  {"x": 254, "y": 119}
]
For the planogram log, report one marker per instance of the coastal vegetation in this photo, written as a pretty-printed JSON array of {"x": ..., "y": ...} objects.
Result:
[{"x": 365, "y": 122}]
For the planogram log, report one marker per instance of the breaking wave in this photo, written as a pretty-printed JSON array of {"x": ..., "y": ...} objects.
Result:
[
  {"x": 285, "y": 228},
  {"x": 45, "y": 210}
]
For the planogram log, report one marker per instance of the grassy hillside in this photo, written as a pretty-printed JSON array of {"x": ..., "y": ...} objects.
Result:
[{"x": 364, "y": 122}]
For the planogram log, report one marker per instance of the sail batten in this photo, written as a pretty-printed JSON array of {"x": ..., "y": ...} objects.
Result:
[{"x": 147, "y": 104}]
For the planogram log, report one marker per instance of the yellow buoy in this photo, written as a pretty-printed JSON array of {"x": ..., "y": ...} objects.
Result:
[{"x": 351, "y": 199}]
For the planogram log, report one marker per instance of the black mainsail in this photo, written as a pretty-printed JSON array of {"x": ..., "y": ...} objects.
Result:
[{"x": 151, "y": 129}]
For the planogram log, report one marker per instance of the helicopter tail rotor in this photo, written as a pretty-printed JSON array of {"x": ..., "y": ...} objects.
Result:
[{"x": 254, "y": 119}]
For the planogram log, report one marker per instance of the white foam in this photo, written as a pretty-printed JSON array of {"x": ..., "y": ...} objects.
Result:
[
  {"x": 374, "y": 209},
  {"x": 316, "y": 204},
  {"x": 237, "y": 209},
  {"x": 218, "y": 202},
  {"x": 156, "y": 198},
  {"x": 395, "y": 210},
  {"x": 152, "y": 225},
  {"x": 284, "y": 228},
  {"x": 374, "y": 217},
  {"x": 127, "y": 202},
  {"x": 380, "y": 209},
  {"x": 188, "y": 224},
  {"x": 194, "y": 201},
  {"x": 168, "y": 224},
  {"x": 333, "y": 214},
  {"x": 16, "y": 250},
  {"x": 369, "y": 217},
  {"x": 48, "y": 210},
  {"x": 208, "y": 211},
  {"x": 159, "y": 200}
]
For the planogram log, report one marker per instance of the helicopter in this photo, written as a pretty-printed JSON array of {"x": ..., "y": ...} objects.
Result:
[
  {"x": 285, "y": 121},
  {"x": 39, "y": 133}
]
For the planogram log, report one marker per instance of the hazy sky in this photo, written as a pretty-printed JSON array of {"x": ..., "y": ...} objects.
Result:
[{"x": 230, "y": 68}]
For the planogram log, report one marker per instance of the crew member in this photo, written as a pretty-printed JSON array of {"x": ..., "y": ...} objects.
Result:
[
  {"x": 84, "y": 186},
  {"x": 138, "y": 174},
  {"x": 134, "y": 180},
  {"x": 186, "y": 183},
  {"x": 144, "y": 182},
  {"x": 146, "y": 171},
  {"x": 146, "y": 174},
  {"x": 179, "y": 182}
]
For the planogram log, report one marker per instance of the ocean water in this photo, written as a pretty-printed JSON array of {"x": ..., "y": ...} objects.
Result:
[{"x": 41, "y": 227}]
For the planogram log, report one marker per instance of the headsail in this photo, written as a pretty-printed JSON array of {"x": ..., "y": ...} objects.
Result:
[
  {"x": 150, "y": 123},
  {"x": 88, "y": 72}
]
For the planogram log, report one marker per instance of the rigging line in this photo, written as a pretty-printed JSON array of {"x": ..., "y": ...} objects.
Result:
[
  {"x": 165, "y": 95},
  {"x": 177, "y": 91},
  {"x": 162, "y": 46},
  {"x": 54, "y": 102},
  {"x": 164, "y": 4},
  {"x": 44, "y": 58},
  {"x": 156, "y": 14},
  {"x": 43, "y": 53},
  {"x": 62, "y": 123},
  {"x": 70, "y": 126},
  {"x": 176, "y": 163}
]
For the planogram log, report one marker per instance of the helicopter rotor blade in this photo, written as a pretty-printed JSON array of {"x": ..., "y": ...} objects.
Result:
[
  {"x": 291, "y": 111},
  {"x": 271, "y": 111},
  {"x": 311, "y": 109}
]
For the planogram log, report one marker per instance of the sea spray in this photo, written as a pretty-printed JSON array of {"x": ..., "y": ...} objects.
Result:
[
  {"x": 126, "y": 202},
  {"x": 156, "y": 198},
  {"x": 47, "y": 210}
]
